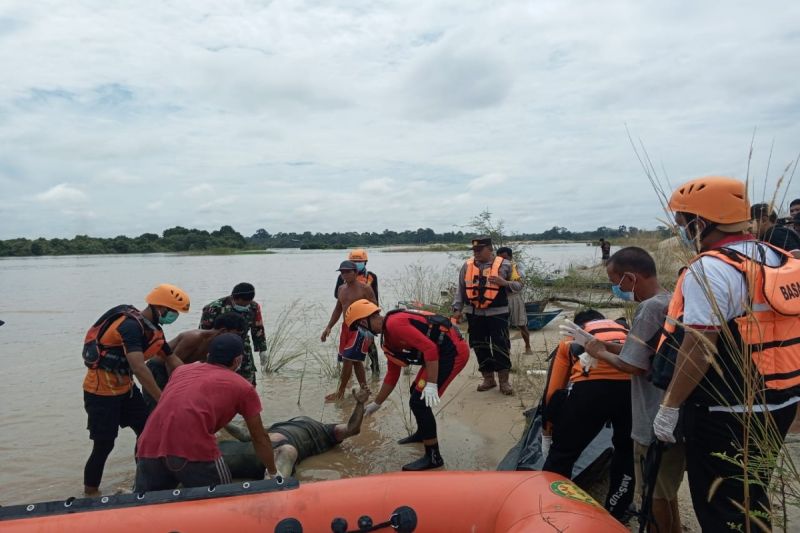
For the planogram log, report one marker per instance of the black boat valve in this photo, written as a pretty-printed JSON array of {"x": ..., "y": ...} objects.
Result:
[
  {"x": 365, "y": 523},
  {"x": 339, "y": 525},
  {"x": 404, "y": 519},
  {"x": 289, "y": 525}
]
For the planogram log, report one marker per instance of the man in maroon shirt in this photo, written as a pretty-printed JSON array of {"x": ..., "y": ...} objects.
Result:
[
  {"x": 414, "y": 338},
  {"x": 178, "y": 444}
]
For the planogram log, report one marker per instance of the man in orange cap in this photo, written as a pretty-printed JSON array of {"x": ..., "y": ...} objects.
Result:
[
  {"x": 410, "y": 337},
  {"x": 719, "y": 313},
  {"x": 115, "y": 349},
  {"x": 359, "y": 257},
  {"x": 353, "y": 345}
]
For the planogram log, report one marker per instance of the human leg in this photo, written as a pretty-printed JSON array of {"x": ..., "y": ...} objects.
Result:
[
  {"x": 285, "y": 458},
  {"x": 426, "y": 430},
  {"x": 501, "y": 348},
  {"x": 617, "y": 395},
  {"x": 153, "y": 474},
  {"x": 198, "y": 473},
  {"x": 479, "y": 342},
  {"x": 103, "y": 418},
  {"x": 710, "y": 436},
  {"x": 526, "y": 338},
  {"x": 344, "y": 379},
  {"x": 581, "y": 419},
  {"x": 248, "y": 368}
]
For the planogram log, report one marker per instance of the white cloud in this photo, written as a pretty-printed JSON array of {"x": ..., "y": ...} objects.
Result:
[
  {"x": 62, "y": 193},
  {"x": 486, "y": 181},
  {"x": 301, "y": 115}
]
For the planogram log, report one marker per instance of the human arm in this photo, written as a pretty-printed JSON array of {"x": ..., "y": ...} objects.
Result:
[
  {"x": 504, "y": 279},
  {"x": 335, "y": 315},
  {"x": 558, "y": 377},
  {"x": 143, "y": 374},
  {"x": 691, "y": 365},
  {"x": 257, "y": 329},
  {"x": 374, "y": 285},
  {"x": 210, "y": 313},
  {"x": 460, "y": 296},
  {"x": 600, "y": 350},
  {"x": 261, "y": 443},
  {"x": 369, "y": 294}
]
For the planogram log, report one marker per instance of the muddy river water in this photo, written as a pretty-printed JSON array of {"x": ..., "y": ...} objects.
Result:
[{"x": 49, "y": 302}]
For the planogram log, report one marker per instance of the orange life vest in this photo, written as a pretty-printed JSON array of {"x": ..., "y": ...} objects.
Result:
[
  {"x": 436, "y": 327},
  {"x": 769, "y": 332},
  {"x": 481, "y": 293},
  {"x": 111, "y": 357}
]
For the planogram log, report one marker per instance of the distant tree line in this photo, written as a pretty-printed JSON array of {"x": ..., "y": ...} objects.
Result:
[{"x": 180, "y": 239}]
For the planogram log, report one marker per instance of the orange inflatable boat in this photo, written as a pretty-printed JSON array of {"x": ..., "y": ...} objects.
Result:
[{"x": 405, "y": 502}]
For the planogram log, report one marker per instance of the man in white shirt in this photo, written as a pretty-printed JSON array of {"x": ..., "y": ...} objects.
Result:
[{"x": 726, "y": 391}]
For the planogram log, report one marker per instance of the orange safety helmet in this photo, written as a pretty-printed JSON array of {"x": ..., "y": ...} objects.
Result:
[
  {"x": 358, "y": 310},
  {"x": 169, "y": 296},
  {"x": 359, "y": 254},
  {"x": 714, "y": 198}
]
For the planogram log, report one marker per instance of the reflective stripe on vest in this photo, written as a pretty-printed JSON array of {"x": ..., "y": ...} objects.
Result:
[{"x": 480, "y": 292}]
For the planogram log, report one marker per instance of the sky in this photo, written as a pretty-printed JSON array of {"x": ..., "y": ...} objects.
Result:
[{"x": 131, "y": 117}]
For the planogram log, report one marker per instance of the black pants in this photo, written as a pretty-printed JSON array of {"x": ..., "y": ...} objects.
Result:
[
  {"x": 586, "y": 410},
  {"x": 166, "y": 473},
  {"x": 711, "y": 433},
  {"x": 488, "y": 336},
  {"x": 106, "y": 414}
]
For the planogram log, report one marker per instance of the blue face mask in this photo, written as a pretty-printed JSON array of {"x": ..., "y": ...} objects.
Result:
[
  {"x": 362, "y": 267},
  {"x": 168, "y": 318},
  {"x": 685, "y": 239},
  {"x": 627, "y": 296},
  {"x": 366, "y": 333},
  {"x": 241, "y": 308}
]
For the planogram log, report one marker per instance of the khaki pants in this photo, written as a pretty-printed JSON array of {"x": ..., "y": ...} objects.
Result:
[{"x": 670, "y": 472}]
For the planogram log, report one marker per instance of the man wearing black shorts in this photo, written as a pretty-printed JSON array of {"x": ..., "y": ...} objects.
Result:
[{"x": 292, "y": 441}]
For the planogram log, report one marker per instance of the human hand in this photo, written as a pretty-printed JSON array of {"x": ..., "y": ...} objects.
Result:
[
  {"x": 594, "y": 346},
  {"x": 497, "y": 280},
  {"x": 431, "y": 394},
  {"x": 570, "y": 329},
  {"x": 371, "y": 408},
  {"x": 547, "y": 441},
  {"x": 455, "y": 318},
  {"x": 325, "y": 334},
  {"x": 665, "y": 422},
  {"x": 587, "y": 362}
]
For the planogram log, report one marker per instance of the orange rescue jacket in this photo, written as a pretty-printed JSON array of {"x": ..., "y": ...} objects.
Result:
[
  {"x": 767, "y": 337},
  {"x": 481, "y": 293}
]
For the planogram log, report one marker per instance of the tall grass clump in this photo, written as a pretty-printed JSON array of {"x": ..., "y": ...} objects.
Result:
[
  {"x": 286, "y": 338},
  {"x": 761, "y": 459}
]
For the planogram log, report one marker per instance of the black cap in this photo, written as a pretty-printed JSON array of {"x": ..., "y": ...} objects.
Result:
[
  {"x": 225, "y": 348},
  {"x": 347, "y": 265},
  {"x": 477, "y": 242},
  {"x": 505, "y": 250}
]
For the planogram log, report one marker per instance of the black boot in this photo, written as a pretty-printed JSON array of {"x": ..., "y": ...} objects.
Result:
[
  {"x": 414, "y": 437},
  {"x": 431, "y": 459}
]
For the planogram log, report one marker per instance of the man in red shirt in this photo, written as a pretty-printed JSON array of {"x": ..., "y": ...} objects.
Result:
[
  {"x": 414, "y": 338},
  {"x": 178, "y": 444}
]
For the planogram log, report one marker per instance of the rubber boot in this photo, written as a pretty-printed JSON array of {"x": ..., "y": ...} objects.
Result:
[
  {"x": 488, "y": 382},
  {"x": 505, "y": 386},
  {"x": 414, "y": 437},
  {"x": 431, "y": 459}
]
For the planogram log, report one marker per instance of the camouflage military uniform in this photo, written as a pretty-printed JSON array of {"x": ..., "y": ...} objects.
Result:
[{"x": 253, "y": 323}]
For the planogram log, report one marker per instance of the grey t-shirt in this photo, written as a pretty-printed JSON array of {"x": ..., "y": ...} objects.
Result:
[{"x": 645, "y": 397}]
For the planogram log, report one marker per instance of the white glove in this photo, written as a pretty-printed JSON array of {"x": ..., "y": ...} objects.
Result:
[
  {"x": 570, "y": 329},
  {"x": 665, "y": 422},
  {"x": 262, "y": 356},
  {"x": 587, "y": 361},
  {"x": 547, "y": 440},
  {"x": 431, "y": 394},
  {"x": 371, "y": 408}
]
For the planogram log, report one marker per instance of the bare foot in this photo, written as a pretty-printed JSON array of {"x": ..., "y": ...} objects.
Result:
[
  {"x": 528, "y": 351},
  {"x": 334, "y": 396},
  {"x": 361, "y": 395}
]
